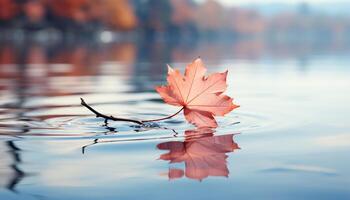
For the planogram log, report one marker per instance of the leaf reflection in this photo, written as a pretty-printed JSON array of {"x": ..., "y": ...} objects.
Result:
[{"x": 203, "y": 154}]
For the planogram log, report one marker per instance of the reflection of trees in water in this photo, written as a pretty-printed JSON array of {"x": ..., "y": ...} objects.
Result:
[
  {"x": 10, "y": 173},
  {"x": 151, "y": 60},
  {"x": 30, "y": 65},
  {"x": 144, "y": 59},
  {"x": 150, "y": 65}
]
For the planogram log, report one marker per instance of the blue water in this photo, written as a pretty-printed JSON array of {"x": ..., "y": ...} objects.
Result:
[{"x": 290, "y": 139}]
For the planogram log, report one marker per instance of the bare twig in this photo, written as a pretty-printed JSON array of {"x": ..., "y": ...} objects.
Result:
[
  {"x": 140, "y": 122},
  {"x": 98, "y": 141},
  {"x": 98, "y": 114}
]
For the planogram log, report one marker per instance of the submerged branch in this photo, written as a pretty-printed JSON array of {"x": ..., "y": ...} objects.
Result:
[{"x": 140, "y": 122}]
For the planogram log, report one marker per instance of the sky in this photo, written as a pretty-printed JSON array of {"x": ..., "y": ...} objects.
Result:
[{"x": 243, "y": 2}]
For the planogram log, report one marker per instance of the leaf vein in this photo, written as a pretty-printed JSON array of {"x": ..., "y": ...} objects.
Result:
[
  {"x": 203, "y": 91},
  {"x": 195, "y": 73}
]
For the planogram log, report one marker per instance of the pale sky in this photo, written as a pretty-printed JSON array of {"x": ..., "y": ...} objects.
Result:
[{"x": 243, "y": 2}]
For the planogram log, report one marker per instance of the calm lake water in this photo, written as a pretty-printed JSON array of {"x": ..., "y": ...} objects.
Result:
[{"x": 290, "y": 139}]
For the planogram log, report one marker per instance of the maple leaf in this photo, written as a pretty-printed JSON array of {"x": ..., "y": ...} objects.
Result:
[{"x": 201, "y": 97}]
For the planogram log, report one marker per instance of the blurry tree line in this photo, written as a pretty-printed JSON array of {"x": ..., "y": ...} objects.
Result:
[
  {"x": 167, "y": 18},
  {"x": 67, "y": 15}
]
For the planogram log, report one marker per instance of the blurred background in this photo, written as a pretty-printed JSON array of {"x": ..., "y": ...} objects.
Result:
[
  {"x": 326, "y": 21},
  {"x": 87, "y": 32}
]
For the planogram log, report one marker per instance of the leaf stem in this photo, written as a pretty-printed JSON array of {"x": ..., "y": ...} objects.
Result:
[
  {"x": 163, "y": 118},
  {"x": 140, "y": 122}
]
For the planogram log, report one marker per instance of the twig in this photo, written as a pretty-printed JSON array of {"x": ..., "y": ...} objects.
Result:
[
  {"x": 98, "y": 114},
  {"x": 98, "y": 141},
  {"x": 140, "y": 122}
]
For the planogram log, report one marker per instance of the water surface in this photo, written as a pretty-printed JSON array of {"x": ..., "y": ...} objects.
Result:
[{"x": 289, "y": 139}]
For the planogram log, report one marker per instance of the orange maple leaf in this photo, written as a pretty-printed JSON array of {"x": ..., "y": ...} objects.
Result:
[{"x": 200, "y": 97}]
